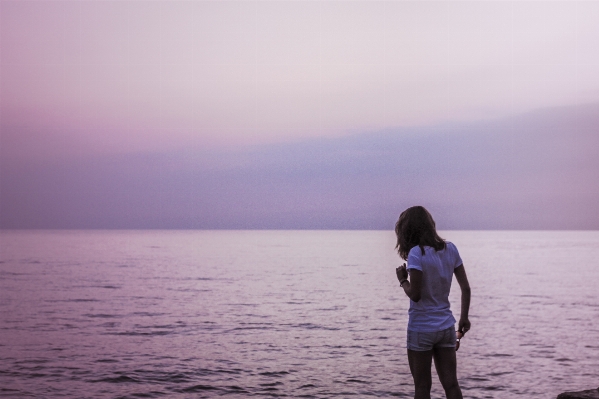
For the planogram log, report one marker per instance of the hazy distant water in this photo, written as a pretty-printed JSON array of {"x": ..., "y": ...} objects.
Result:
[{"x": 316, "y": 314}]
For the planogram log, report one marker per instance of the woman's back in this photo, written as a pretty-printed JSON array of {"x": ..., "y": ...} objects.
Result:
[{"x": 432, "y": 312}]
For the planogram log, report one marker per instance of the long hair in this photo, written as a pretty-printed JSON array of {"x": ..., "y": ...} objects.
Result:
[{"x": 416, "y": 227}]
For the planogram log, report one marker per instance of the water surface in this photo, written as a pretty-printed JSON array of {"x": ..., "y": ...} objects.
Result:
[{"x": 315, "y": 314}]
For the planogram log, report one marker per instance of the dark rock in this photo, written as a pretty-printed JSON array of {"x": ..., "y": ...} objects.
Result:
[{"x": 590, "y": 394}]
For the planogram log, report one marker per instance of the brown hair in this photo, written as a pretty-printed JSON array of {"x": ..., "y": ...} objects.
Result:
[{"x": 416, "y": 227}]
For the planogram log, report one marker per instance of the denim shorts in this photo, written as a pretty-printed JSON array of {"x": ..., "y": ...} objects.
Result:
[{"x": 426, "y": 341}]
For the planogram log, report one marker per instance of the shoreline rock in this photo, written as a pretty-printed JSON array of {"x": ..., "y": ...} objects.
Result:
[{"x": 588, "y": 394}]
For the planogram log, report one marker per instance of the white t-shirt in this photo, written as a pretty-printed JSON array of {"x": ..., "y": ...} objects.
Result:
[{"x": 432, "y": 313}]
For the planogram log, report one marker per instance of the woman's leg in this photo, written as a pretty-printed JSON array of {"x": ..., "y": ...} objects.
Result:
[
  {"x": 446, "y": 365},
  {"x": 420, "y": 366}
]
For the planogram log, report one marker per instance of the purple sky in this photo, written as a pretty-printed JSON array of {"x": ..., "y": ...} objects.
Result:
[{"x": 298, "y": 114}]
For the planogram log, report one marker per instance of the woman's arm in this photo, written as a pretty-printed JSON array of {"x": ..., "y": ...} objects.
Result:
[
  {"x": 460, "y": 274},
  {"x": 413, "y": 287}
]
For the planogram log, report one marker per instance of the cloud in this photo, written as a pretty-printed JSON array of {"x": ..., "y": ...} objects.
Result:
[{"x": 532, "y": 171}]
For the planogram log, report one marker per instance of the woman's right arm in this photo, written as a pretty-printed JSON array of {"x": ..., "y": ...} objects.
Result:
[
  {"x": 413, "y": 286},
  {"x": 460, "y": 274}
]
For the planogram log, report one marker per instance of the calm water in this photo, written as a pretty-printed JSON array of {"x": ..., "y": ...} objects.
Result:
[{"x": 315, "y": 314}]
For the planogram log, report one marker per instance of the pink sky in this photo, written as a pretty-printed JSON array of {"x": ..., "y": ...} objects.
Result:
[
  {"x": 88, "y": 76},
  {"x": 309, "y": 114}
]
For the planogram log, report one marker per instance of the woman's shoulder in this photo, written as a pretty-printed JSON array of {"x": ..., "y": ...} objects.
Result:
[
  {"x": 415, "y": 250},
  {"x": 451, "y": 252},
  {"x": 450, "y": 246}
]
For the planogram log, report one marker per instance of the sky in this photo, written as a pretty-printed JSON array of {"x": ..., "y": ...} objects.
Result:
[{"x": 298, "y": 114}]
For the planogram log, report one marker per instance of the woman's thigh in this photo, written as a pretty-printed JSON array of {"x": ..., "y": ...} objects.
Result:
[
  {"x": 420, "y": 366},
  {"x": 446, "y": 365}
]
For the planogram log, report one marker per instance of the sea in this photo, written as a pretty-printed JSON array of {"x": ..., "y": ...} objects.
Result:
[{"x": 306, "y": 314}]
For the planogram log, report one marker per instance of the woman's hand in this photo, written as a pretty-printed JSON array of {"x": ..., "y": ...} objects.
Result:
[
  {"x": 402, "y": 273},
  {"x": 464, "y": 326}
]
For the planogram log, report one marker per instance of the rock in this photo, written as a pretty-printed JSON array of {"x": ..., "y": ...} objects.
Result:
[{"x": 590, "y": 394}]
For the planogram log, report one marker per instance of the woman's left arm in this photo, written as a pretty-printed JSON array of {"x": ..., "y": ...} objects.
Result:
[
  {"x": 460, "y": 274},
  {"x": 412, "y": 287}
]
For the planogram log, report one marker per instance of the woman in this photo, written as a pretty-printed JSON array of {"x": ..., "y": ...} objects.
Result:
[{"x": 431, "y": 326}]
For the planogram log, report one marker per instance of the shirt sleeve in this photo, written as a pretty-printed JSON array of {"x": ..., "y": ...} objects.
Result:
[
  {"x": 458, "y": 259},
  {"x": 415, "y": 259}
]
